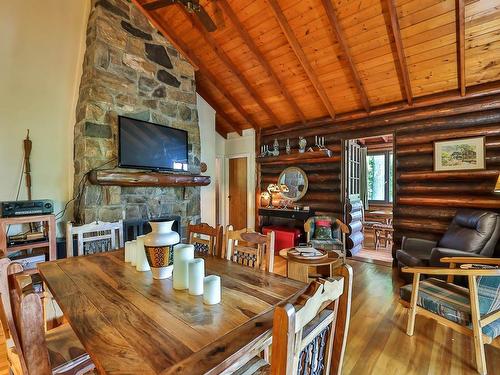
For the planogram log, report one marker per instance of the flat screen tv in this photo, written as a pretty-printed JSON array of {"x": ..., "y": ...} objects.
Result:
[{"x": 145, "y": 145}]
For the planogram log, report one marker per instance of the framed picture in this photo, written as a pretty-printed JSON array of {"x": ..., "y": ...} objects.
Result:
[{"x": 459, "y": 154}]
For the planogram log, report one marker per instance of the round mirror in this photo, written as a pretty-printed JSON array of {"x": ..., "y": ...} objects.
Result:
[{"x": 295, "y": 181}]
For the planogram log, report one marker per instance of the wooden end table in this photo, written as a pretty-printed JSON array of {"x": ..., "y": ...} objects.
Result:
[{"x": 299, "y": 269}]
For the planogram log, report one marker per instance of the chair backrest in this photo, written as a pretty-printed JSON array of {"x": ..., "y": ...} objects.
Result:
[
  {"x": 338, "y": 228},
  {"x": 24, "y": 321},
  {"x": 95, "y": 237},
  {"x": 304, "y": 330},
  {"x": 250, "y": 248},
  {"x": 474, "y": 231},
  {"x": 205, "y": 238}
]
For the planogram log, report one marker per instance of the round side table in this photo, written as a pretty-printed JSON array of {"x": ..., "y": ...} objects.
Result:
[{"x": 299, "y": 269}]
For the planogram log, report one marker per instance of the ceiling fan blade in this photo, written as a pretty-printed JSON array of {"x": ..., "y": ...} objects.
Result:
[
  {"x": 206, "y": 20},
  {"x": 158, "y": 4}
]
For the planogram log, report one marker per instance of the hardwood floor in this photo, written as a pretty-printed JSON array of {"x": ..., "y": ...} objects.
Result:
[{"x": 377, "y": 341}]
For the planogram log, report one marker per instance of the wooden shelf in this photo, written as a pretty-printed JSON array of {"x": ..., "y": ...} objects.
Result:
[
  {"x": 49, "y": 224},
  {"x": 320, "y": 156},
  {"x": 27, "y": 246},
  {"x": 146, "y": 179}
]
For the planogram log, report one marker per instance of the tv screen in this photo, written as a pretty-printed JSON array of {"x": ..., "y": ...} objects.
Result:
[{"x": 146, "y": 145}]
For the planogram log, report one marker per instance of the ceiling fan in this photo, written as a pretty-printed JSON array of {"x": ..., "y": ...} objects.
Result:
[{"x": 191, "y": 6}]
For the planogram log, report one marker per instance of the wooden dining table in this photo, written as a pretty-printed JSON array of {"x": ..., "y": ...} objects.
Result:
[{"x": 130, "y": 323}]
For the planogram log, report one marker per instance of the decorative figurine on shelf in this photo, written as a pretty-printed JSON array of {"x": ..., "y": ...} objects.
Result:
[
  {"x": 302, "y": 145},
  {"x": 275, "y": 192},
  {"x": 288, "y": 148},
  {"x": 264, "y": 151},
  {"x": 265, "y": 199},
  {"x": 276, "y": 147}
]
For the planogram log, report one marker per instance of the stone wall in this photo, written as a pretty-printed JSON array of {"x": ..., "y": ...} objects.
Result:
[{"x": 130, "y": 69}]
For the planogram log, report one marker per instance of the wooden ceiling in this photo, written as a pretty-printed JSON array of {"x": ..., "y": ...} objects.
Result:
[{"x": 276, "y": 63}]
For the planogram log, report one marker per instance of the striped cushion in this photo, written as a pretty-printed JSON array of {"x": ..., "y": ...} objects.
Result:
[{"x": 453, "y": 303}]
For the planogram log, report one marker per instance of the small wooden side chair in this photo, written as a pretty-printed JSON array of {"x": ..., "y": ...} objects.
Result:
[
  {"x": 304, "y": 331},
  {"x": 95, "y": 237},
  {"x": 30, "y": 349},
  {"x": 206, "y": 239},
  {"x": 250, "y": 248},
  {"x": 474, "y": 311},
  {"x": 384, "y": 234}
]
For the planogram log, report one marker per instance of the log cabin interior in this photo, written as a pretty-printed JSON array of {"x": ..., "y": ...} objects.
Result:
[{"x": 250, "y": 187}]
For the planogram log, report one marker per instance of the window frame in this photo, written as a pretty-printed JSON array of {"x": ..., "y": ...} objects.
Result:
[{"x": 387, "y": 170}]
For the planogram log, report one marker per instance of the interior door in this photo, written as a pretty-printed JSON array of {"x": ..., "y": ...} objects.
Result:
[{"x": 238, "y": 193}]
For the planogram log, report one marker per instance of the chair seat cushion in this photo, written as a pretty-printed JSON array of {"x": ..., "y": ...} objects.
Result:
[
  {"x": 449, "y": 301},
  {"x": 66, "y": 351}
]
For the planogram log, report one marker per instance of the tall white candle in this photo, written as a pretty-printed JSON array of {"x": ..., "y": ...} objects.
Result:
[
  {"x": 211, "y": 290},
  {"x": 141, "y": 262},
  {"x": 196, "y": 271},
  {"x": 182, "y": 255},
  {"x": 133, "y": 251},
  {"x": 128, "y": 246}
]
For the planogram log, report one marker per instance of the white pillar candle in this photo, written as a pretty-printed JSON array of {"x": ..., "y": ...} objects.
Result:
[
  {"x": 141, "y": 262},
  {"x": 133, "y": 251},
  {"x": 211, "y": 290},
  {"x": 128, "y": 246},
  {"x": 182, "y": 255},
  {"x": 196, "y": 272}
]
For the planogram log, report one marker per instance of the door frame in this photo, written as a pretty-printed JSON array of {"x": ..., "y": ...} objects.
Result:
[{"x": 250, "y": 190}]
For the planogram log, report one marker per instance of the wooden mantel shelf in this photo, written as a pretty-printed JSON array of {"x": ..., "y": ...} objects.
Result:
[
  {"x": 319, "y": 156},
  {"x": 146, "y": 179}
]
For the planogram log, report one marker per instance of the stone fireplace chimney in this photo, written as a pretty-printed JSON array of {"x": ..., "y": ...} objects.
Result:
[{"x": 130, "y": 69}]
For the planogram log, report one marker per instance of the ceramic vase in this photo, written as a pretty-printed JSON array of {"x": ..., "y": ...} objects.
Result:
[
  {"x": 159, "y": 245},
  {"x": 288, "y": 148}
]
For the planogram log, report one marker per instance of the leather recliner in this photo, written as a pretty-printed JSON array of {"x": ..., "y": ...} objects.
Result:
[{"x": 472, "y": 233}]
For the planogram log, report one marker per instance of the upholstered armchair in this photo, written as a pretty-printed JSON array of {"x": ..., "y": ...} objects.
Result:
[
  {"x": 327, "y": 233},
  {"x": 472, "y": 233},
  {"x": 474, "y": 311}
]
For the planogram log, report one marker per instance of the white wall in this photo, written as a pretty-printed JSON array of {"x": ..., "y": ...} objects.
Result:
[
  {"x": 41, "y": 47},
  {"x": 206, "y": 116}
]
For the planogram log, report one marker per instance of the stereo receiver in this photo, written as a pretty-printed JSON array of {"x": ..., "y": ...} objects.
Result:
[{"x": 27, "y": 208}]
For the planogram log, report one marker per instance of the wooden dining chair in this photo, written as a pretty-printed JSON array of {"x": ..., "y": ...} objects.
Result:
[
  {"x": 95, "y": 237},
  {"x": 304, "y": 331},
  {"x": 30, "y": 349},
  {"x": 206, "y": 239},
  {"x": 250, "y": 248}
]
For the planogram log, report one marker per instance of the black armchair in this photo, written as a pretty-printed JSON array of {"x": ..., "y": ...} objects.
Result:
[{"x": 472, "y": 233}]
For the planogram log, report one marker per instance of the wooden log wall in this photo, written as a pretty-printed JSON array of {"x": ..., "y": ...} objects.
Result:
[{"x": 425, "y": 201}]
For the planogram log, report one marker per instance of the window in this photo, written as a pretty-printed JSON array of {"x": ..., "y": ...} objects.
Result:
[{"x": 380, "y": 176}]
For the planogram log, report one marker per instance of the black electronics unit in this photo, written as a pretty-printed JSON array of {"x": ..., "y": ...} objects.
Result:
[{"x": 27, "y": 208}]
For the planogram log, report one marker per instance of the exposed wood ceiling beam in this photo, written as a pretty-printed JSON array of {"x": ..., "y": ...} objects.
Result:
[
  {"x": 403, "y": 67},
  {"x": 166, "y": 30},
  {"x": 339, "y": 35},
  {"x": 460, "y": 13},
  {"x": 261, "y": 58},
  {"x": 301, "y": 56},
  {"x": 218, "y": 110},
  {"x": 231, "y": 66},
  {"x": 158, "y": 26}
]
